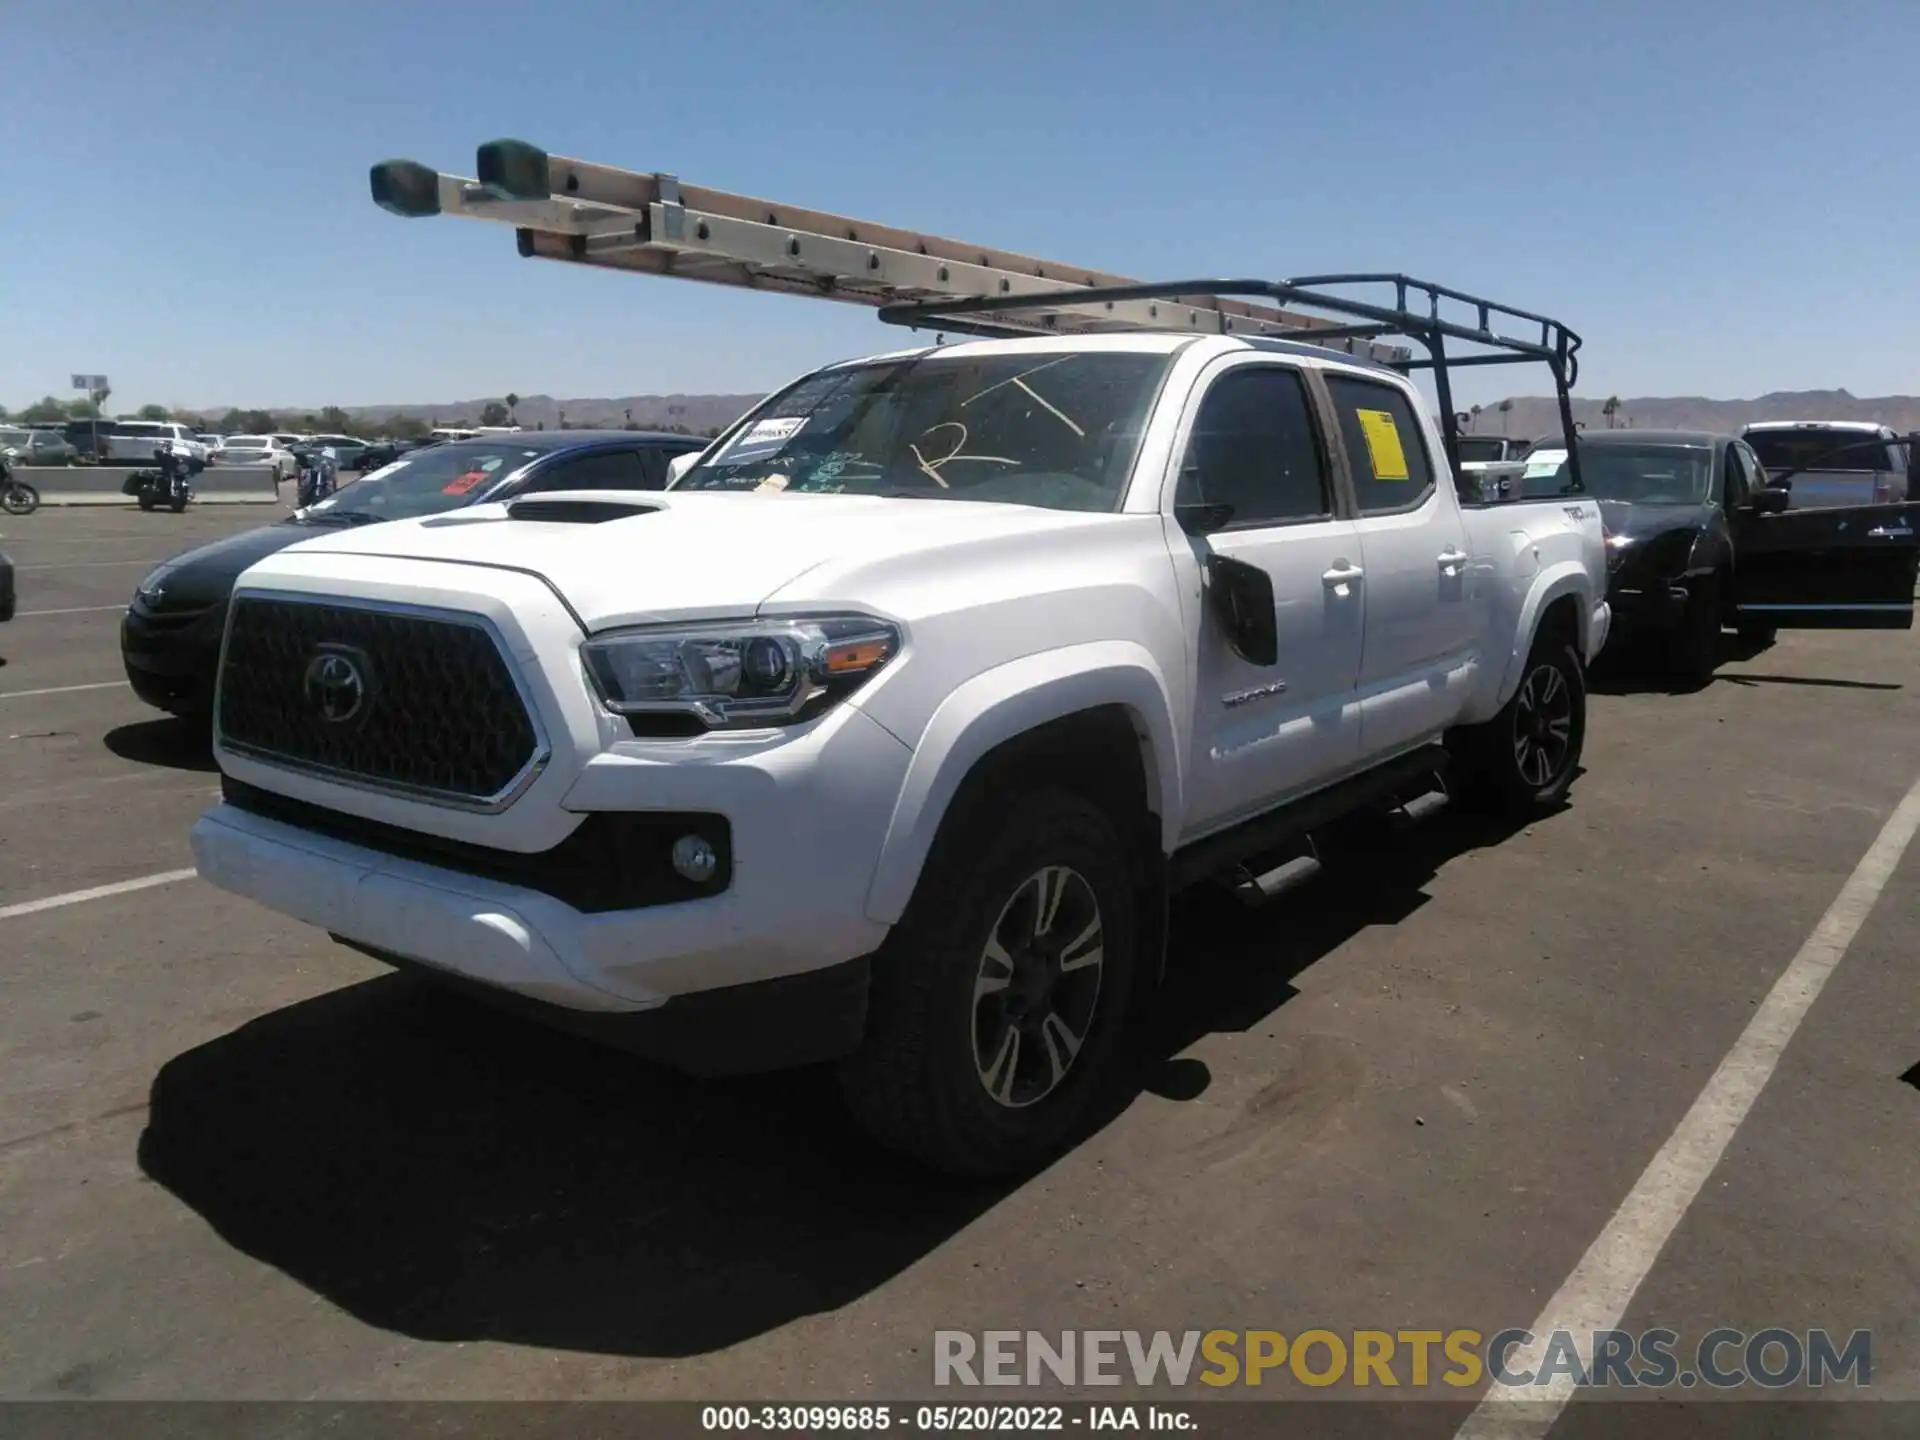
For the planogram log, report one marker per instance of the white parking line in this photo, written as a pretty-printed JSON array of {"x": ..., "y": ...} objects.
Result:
[
  {"x": 1597, "y": 1293},
  {"x": 61, "y": 689},
  {"x": 70, "y": 610},
  {"x": 95, "y": 892}
]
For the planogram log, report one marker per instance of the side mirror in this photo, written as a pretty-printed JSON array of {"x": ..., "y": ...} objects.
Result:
[
  {"x": 1241, "y": 596},
  {"x": 1770, "y": 500},
  {"x": 679, "y": 466},
  {"x": 1202, "y": 519}
]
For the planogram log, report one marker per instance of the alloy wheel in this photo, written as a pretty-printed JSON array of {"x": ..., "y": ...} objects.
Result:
[
  {"x": 1037, "y": 988},
  {"x": 1542, "y": 725}
]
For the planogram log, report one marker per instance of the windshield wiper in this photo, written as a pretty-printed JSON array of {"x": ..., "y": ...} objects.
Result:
[{"x": 336, "y": 517}]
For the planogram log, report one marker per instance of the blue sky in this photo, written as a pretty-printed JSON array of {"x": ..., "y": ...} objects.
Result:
[{"x": 1722, "y": 197}]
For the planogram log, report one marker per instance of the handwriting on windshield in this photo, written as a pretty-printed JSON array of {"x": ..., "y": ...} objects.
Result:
[
  {"x": 932, "y": 468},
  {"x": 1020, "y": 382}
]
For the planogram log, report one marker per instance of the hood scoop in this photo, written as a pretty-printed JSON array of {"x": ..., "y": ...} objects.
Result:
[{"x": 580, "y": 509}]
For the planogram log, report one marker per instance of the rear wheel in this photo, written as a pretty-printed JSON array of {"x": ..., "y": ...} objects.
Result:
[
  {"x": 1523, "y": 760},
  {"x": 1757, "y": 632},
  {"x": 146, "y": 500},
  {"x": 20, "y": 498},
  {"x": 999, "y": 999}
]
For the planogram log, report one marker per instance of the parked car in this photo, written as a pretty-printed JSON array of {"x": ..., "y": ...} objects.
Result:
[
  {"x": 1835, "y": 461},
  {"x": 170, "y": 635},
  {"x": 882, "y": 735},
  {"x": 88, "y": 437},
  {"x": 384, "y": 452},
  {"x": 132, "y": 442},
  {"x": 256, "y": 450},
  {"x": 37, "y": 447},
  {"x": 346, "y": 448},
  {"x": 1697, "y": 541}
]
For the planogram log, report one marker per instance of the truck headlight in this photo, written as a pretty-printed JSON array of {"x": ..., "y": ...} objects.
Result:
[{"x": 738, "y": 674}]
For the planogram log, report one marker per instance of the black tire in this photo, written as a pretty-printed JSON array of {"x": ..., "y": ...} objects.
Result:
[
  {"x": 20, "y": 498},
  {"x": 1498, "y": 761},
  {"x": 960, "y": 1072},
  {"x": 1693, "y": 648},
  {"x": 178, "y": 504},
  {"x": 146, "y": 500},
  {"x": 1757, "y": 632}
]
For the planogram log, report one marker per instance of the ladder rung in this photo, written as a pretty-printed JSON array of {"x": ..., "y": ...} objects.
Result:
[{"x": 649, "y": 223}]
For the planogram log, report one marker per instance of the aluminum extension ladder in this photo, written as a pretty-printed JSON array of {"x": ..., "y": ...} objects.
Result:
[{"x": 652, "y": 224}]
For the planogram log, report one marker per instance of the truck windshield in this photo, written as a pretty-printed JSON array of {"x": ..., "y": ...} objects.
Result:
[
  {"x": 1630, "y": 474},
  {"x": 1057, "y": 431},
  {"x": 1814, "y": 450}
]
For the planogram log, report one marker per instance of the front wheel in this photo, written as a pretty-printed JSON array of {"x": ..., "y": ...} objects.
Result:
[
  {"x": 177, "y": 504},
  {"x": 1693, "y": 648},
  {"x": 19, "y": 498},
  {"x": 1523, "y": 760},
  {"x": 999, "y": 999}
]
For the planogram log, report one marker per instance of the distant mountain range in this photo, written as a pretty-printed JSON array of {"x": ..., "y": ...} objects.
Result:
[
  {"x": 695, "y": 412},
  {"x": 1537, "y": 415},
  {"x": 1530, "y": 415}
]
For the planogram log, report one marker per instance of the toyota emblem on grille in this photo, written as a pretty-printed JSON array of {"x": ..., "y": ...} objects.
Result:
[{"x": 335, "y": 685}]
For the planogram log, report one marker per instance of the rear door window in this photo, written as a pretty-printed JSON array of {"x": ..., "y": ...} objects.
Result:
[{"x": 1386, "y": 446}]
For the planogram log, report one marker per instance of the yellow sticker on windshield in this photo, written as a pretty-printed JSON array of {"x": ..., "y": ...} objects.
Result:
[{"x": 1383, "y": 444}]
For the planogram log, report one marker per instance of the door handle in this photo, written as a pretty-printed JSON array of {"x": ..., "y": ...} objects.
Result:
[
  {"x": 1451, "y": 559},
  {"x": 1890, "y": 532},
  {"x": 1342, "y": 574}
]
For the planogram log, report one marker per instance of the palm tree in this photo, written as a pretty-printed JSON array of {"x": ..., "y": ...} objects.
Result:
[
  {"x": 513, "y": 404},
  {"x": 1473, "y": 418},
  {"x": 1505, "y": 408},
  {"x": 1611, "y": 409}
]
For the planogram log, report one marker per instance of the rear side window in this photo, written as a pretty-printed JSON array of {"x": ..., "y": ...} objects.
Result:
[
  {"x": 1385, "y": 445},
  {"x": 1255, "y": 447},
  {"x": 610, "y": 470}
]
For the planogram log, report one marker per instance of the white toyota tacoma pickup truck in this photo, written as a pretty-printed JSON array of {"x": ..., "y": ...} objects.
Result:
[{"x": 882, "y": 736}]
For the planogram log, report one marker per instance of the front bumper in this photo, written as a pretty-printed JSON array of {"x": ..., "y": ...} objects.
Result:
[
  {"x": 1641, "y": 604},
  {"x": 802, "y": 817},
  {"x": 171, "y": 660},
  {"x": 777, "y": 973}
]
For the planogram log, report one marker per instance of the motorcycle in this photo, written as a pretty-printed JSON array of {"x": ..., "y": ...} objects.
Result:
[
  {"x": 17, "y": 497},
  {"x": 170, "y": 485},
  {"x": 317, "y": 478}
]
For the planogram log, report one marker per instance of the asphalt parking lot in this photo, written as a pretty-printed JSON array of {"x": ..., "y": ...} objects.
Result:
[{"x": 238, "y": 1161}]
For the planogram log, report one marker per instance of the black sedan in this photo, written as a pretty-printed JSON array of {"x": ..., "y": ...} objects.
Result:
[
  {"x": 1700, "y": 537},
  {"x": 170, "y": 636}
]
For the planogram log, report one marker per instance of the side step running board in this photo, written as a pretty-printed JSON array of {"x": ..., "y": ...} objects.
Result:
[{"x": 1417, "y": 772}]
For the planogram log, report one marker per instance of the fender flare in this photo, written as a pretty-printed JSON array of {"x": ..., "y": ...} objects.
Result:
[
  {"x": 1566, "y": 577},
  {"x": 996, "y": 706}
]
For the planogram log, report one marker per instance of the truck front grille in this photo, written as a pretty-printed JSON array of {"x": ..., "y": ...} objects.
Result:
[{"x": 418, "y": 703}]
